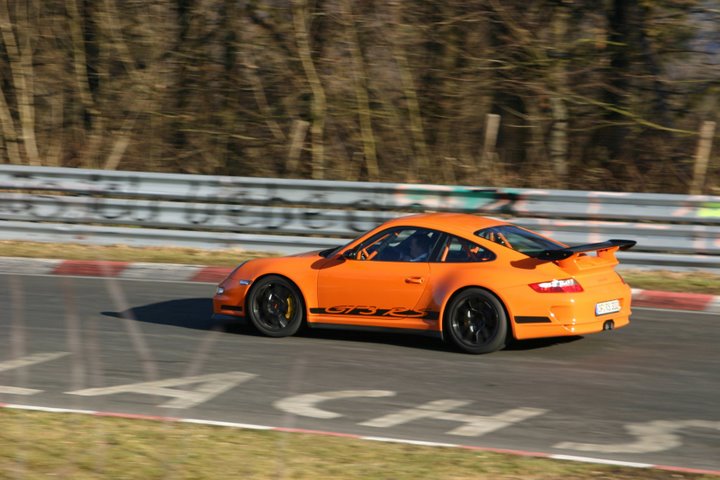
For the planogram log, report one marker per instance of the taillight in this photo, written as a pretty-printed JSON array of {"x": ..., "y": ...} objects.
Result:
[{"x": 568, "y": 285}]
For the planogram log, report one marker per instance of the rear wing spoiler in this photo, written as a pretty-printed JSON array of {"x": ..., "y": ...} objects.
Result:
[{"x": 563, "y": 253}]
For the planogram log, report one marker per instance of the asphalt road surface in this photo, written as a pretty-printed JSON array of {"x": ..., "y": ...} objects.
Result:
[{"x": 647, "y": 393}]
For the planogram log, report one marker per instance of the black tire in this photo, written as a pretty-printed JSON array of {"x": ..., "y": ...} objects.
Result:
[
  {"x": 275, "y": 307},
  {"x": 475, "y": 322}
]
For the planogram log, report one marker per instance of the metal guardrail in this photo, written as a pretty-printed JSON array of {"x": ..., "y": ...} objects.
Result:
[{"x": 94, "y": 206}]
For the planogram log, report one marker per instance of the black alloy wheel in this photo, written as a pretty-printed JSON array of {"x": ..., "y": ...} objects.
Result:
[
  {"x": 276, "y": 307},
  {"x": 476, "y": 322}
]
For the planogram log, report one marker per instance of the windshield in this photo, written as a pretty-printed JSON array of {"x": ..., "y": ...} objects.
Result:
[
  {"x": 519, "y": 239},
  {"x": 331, "y": 252}
]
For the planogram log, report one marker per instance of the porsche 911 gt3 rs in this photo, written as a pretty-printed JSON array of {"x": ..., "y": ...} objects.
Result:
[{"x": 476, "y": 282}]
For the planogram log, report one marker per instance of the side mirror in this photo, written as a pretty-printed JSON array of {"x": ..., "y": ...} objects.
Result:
[{"x": 350, "y": 254}]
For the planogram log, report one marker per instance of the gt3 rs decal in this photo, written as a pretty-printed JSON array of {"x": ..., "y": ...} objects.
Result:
[{"x": 370, "y": 311}]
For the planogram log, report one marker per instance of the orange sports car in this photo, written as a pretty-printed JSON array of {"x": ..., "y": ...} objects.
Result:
[{"x": 475, "y": 282}]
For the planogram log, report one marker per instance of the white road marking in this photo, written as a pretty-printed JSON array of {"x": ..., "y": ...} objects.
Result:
[
  {"x": 304, "y": 405},
  {"x": 421, "y": 443},
  {"x": 601, "y": 461},
  {"x": 649, "y": 437},
  {"x": 25, "y": 362},
  {"x": 215, "y": 423},
  {"x": 655, "y": 436},
  {"x": 211, "y": 386},
  {"x": 31, "y": 360},
  {"x": 48, "y": 409},
  {"x": 18, "y": 390},
  {"x": 475, "y": 425}
]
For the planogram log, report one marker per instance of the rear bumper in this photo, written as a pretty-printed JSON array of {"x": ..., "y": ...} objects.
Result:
[
  {"x": 571, "y": 314},
  {"x": 553, "y": 329}
]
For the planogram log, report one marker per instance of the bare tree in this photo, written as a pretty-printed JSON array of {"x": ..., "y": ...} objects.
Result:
[{"x": 590, "y": 95}]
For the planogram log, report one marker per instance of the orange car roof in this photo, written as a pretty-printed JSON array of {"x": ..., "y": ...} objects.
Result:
[{"x": 464, "y": 224}]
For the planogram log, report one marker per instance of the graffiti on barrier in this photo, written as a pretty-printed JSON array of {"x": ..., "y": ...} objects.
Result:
[
  {"x": 234, "y": 206},
  {"x": 341, "y": 209}
]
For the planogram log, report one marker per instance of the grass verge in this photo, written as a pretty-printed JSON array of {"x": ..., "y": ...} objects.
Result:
[
  {"x": 124, "y": 253},
  {"x": 45, "y": 445},
  {"x": 695, "y": 282}
]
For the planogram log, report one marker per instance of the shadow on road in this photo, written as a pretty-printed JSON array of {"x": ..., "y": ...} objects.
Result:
[
  {"x": 195, "y": 313},
  {"x": 538, "y": 343},
  {"x": 186, "y": 313},
  {"x": 399, "y": 339}
]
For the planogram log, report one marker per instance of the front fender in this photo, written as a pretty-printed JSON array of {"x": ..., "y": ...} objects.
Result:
[{"x": 300, "y": 270}]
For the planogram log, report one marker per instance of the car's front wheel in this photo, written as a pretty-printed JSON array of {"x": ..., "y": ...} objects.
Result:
[
  {"x": 275, "y": 306},
  {"x": 476, "y": 322}
]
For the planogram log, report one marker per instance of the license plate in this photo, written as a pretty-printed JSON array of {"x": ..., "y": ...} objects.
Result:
[{"x": 604, "y": 308}]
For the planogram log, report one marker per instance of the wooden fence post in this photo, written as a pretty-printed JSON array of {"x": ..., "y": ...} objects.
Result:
[
  {"x": 297, "y": 140},
  {"x": 702, "y": 157},
  {"x": 492, "y": 127}
]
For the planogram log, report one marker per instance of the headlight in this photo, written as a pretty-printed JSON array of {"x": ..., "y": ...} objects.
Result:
[{"x": 220, "y": 291}]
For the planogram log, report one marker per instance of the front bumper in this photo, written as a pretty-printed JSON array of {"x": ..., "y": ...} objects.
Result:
[{"x": 231, "y": 301}]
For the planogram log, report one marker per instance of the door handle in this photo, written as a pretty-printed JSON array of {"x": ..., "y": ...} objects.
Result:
[{"x": 417, "y": 280}]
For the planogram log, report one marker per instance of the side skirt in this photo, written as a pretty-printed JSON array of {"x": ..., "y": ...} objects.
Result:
[{"x": 363, "y": 328}]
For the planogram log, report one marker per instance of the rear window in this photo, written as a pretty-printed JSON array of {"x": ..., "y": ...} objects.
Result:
[{"x": 519, "y": 239}]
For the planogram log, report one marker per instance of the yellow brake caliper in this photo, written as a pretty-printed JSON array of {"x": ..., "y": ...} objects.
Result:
[{"x": 290, "y": 308}]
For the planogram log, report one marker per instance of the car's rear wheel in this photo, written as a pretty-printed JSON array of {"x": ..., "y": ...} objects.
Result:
[
  {"x": 475, "y": 322},
  {"x": 275, "y": 306}
]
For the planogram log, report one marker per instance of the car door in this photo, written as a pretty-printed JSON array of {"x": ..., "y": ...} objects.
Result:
[{"x": 380, "y": 285}]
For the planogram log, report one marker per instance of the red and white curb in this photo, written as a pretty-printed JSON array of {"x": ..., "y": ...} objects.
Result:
[
  {"x": 697, "y": 302},
  {"x": 250, "y": 426},
  {"x": 120, "y": 270}
]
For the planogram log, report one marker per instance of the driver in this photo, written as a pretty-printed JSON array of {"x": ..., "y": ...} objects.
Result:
[{"x": 419, "y": 249}]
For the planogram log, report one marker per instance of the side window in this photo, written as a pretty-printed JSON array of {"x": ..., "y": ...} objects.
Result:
[
  {"x": 459, "y": 250},
  {"x": 403, "y": 244}
]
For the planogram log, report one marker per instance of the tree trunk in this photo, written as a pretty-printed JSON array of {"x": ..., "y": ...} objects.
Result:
[
  {"x": 9, "y": 132},
  {"x": 361, "y": 97},
  {"x": 318, "y": 92},
  {"x": 19, "y": 52}
]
